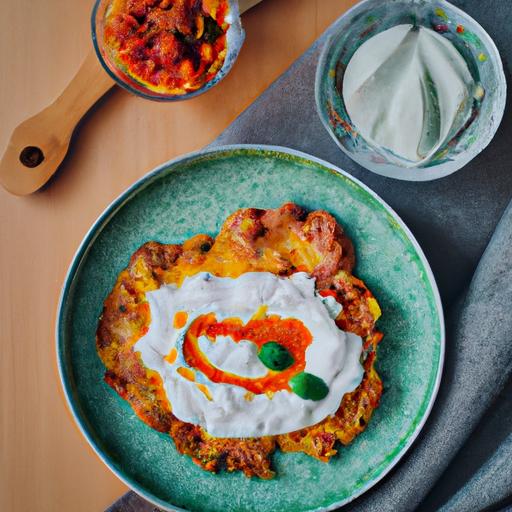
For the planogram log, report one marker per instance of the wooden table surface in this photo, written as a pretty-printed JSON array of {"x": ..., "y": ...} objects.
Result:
[{"x": 45, "y": 463}]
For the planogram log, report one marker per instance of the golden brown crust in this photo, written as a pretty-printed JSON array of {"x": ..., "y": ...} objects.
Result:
[{"x": 283, "y": 241}]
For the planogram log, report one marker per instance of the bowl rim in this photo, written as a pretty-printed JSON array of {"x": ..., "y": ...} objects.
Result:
[
  {"x": 162, "y": 97},
  {"x": 415, "y": 174},
  {"x": 123, "y": 198}
]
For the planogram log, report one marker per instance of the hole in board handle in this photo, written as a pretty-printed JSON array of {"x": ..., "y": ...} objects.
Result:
[{"x": 31, "y": 156}]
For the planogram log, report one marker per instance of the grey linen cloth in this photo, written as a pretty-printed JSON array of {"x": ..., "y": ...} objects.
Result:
[
  {"x": 481, "y": 488},
  {"x": 462, "y": 460}
]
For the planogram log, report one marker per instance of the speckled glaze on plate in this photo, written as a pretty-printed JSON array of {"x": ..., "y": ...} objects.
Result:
[{"x": 194, "y": 194}]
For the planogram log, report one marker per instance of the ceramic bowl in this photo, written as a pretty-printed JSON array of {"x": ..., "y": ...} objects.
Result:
[
  {"x": 367, "y": 19},
  {"x": 235, "y": 38}
]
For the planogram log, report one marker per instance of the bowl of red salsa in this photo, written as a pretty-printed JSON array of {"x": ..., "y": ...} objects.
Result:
[{"x": 167, "y": 49}]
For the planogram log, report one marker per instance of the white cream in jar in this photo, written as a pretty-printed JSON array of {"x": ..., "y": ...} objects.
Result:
[{"x": 408, "y": 91}]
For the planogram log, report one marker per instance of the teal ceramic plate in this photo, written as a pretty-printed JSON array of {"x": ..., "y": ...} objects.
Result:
[{"x": 194, "y": 194}]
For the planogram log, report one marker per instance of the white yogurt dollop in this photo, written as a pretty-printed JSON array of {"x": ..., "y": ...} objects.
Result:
[
  {"x": 408, "y": 90},
  {"x": 333, "y": 355}
]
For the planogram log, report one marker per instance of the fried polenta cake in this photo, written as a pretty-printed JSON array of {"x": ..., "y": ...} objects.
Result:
[{"x": 287, "y": 242}]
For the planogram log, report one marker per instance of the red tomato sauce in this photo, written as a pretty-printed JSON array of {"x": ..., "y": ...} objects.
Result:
[
  {"x": 171, "y": 46},
  {"x": 289, "y": 332}
]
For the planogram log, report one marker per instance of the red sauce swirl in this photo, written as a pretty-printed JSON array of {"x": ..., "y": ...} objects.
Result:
[{"x": 289, "y": 332}]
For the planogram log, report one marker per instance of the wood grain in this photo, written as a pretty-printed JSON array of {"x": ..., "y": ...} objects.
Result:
[{"x": 45, "y": 464}]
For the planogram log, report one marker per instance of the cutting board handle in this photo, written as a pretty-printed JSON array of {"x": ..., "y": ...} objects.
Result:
[{"x": 39, "y": 144}]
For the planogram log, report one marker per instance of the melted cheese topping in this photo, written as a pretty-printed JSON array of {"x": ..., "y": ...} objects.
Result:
[{"x": 225, "y": 259}]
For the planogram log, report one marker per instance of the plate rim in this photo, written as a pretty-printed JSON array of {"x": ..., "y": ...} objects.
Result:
[{"x": 125, "y": 196}]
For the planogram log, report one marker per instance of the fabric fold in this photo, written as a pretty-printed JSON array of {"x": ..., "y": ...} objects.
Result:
[{"x": 490, "y": 487}]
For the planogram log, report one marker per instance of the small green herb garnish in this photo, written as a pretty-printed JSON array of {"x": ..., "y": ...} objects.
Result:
[
  {"x": 309, "y": 386},
  {"x": 274, "y": 356}
]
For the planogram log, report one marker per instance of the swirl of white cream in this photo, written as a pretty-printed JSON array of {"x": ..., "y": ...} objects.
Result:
[{"x": 333, "y": 354}]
